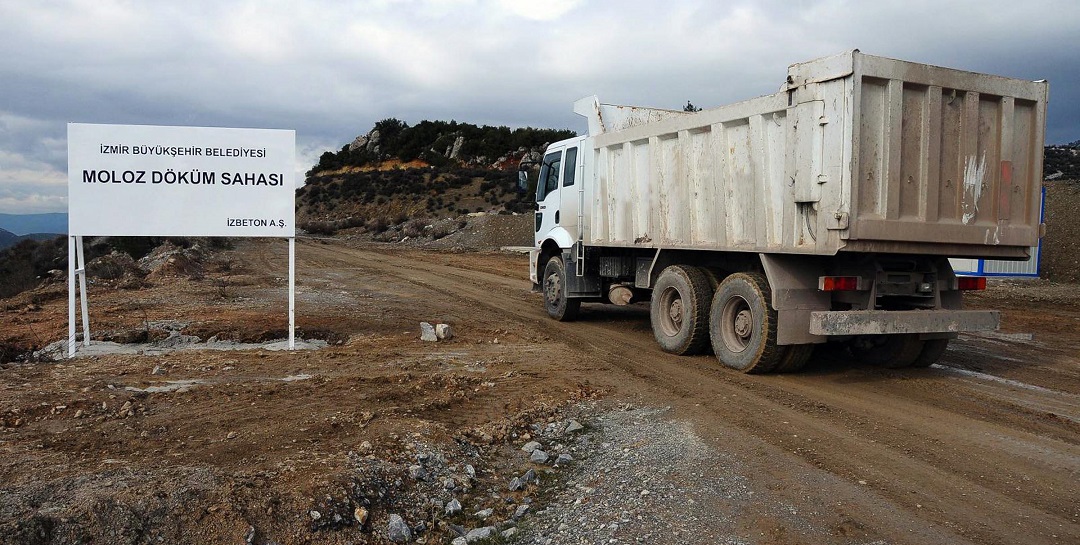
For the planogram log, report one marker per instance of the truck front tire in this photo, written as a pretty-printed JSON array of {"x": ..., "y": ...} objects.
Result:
[
  {"x": 556, "y": 301},
  {"x": 679, "y": 310},
  {"x": 742, "y": 325}
]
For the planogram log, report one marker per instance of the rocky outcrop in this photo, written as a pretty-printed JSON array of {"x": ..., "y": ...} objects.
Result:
[
  {"x": 114, "y": 266},
  {"x": 366, "y": 142},
  {"x": 455, "y": 150}
]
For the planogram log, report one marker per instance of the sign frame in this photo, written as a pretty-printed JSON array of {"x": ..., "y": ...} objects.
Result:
[{"x": 153, "y": 180}]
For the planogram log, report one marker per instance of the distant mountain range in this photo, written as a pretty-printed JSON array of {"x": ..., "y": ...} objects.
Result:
[
  {"x": 15, "y": 228},
  {"x": 26, "y": 224},
  {"x": 7, "y": 238}
]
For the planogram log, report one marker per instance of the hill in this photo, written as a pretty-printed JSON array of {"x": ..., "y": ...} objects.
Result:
[
  {"x": 1062, "y": 161},
  {"x": 440, "y": 144},
  {"x": 9, "y": 239},
  {"x": 25, "y": 224},
  {"x": 433, "y": 170}
]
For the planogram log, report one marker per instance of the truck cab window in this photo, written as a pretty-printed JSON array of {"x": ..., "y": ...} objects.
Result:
[
  {"x": 571, "y": 167},
  {"x": 549, "y": 175}
]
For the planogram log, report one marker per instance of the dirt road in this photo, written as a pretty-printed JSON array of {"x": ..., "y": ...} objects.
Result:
[{"x": 983, "y": 448}]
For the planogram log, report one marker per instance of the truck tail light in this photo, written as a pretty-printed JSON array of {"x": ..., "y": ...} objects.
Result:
[
  {"x": 971, "y": 283},
  {"x": 838, "y": 283}
]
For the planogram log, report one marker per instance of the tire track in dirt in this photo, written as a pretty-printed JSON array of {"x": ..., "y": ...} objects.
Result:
[
  {"x": 860, "y": 433},
  {"x": 994, "y": 476}
]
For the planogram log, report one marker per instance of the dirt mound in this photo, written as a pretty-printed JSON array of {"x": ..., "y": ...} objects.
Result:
[
  {"x": 178, "y": 264},
  {"x": 473, "y": 232},
  {"x": 1061, "y": 245},
  {"x": 490, "y": 232},
  {"x": 113, "y": 266},
  {"x": 118, "y": 268},
  {"x": 169, "y": 261}
]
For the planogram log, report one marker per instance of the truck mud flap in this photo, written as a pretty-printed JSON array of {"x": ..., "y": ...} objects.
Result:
[
  {"x": 534, "y": 275},
  {"x": 587, "y": 285},
  {"x": 887, "y": 322}
]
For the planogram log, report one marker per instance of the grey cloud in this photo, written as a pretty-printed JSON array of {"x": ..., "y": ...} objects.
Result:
[{"x": 329, "y": 70}]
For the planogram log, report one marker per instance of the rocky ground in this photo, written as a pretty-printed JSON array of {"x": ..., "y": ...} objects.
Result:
[{"x": 516, "y": 428}]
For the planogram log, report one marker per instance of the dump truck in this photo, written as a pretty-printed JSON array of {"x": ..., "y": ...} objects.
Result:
[{"x": 823, "y": 213}]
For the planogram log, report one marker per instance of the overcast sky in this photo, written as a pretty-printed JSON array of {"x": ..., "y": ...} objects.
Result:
[{"x": 330, "y": 69}]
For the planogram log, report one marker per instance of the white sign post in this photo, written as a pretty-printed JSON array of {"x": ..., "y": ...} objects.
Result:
[{"x": 141, "y": 180}]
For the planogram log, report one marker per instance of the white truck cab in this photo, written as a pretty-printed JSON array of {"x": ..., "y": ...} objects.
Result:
[{"x": 560, "y": 197}]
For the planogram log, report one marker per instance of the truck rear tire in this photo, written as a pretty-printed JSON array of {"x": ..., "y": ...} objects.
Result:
[
  {"x": 679, "y": 310},
  {"x": 556, "y": 302},
  {"x": 742, "y": 325},
  {"x": 889, "y": 351},
  {"x": 795, "y": 358},
  {"x": 932, "y": 351}
]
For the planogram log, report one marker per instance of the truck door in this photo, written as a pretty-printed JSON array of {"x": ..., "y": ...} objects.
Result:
[{"x": 548, "y": 195}]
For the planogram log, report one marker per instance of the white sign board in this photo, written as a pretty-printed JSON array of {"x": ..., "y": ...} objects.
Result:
[{"x": 142, "y": 180}]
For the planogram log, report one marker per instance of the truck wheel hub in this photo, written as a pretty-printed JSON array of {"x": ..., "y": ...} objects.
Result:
[
  {"x": 744, "y": 324},
  {"x": 553, "y": 287},
  {"x": 675, "y": 312}
]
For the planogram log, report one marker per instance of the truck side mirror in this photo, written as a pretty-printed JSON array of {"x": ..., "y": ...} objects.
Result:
[{"x": 524, "y": 169}]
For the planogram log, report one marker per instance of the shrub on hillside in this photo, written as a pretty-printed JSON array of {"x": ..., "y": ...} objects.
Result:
[
  {"x": 376, "y": 224},
  {"x": 414, "y": 227}
]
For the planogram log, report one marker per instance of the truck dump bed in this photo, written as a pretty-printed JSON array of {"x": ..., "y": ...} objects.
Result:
[{"x": 855, "y": 153}]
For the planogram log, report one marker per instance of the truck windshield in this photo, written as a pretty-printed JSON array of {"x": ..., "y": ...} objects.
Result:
[{"x": 549, "y": 175}]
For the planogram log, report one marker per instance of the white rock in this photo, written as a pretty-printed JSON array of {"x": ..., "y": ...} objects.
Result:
[
  {"x": 530, "y": 446},
  {"x": 484, "y": 513},
  {"x": 444, "y": 332},
  {"x": 573, "y": 426},
  {"x": 427, "y": 332},
  {"x": 477, "y": 534}
]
